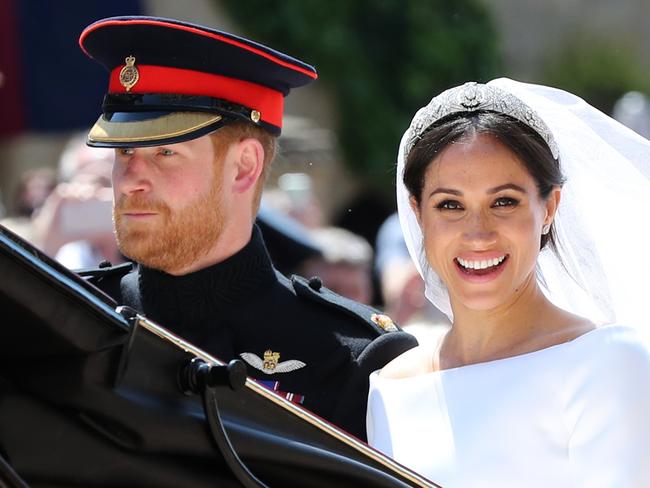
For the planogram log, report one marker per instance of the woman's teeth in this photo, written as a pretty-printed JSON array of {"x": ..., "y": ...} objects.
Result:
[{"x": 483, "y": 264}]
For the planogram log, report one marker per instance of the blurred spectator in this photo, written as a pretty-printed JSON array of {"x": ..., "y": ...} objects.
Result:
[
  {"x": 633, "y": 110},
  {"x": 33, "y": 189},
  {"x": 31, "y": 192},
  {"x": 75, "y": 223},
  {"x": 390, "y": 243},
  {"x": 286, "y": 215},
  {"x": 287, "y": 240},
  {"x": 299, "y": 199},
  {"x": 345, "y": 265},
  {"x": 402, "y": 286}
]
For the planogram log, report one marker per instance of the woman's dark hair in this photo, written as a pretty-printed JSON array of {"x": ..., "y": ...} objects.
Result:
[{"x": 527, "y": 144}]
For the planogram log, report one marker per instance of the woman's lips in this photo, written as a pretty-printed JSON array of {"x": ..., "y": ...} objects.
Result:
[{"x": 481, "y": 270}]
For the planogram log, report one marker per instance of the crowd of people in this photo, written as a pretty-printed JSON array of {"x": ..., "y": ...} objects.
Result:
[
  {"x": 67, "y": 212},
  {"x": 515, "y": 204}
]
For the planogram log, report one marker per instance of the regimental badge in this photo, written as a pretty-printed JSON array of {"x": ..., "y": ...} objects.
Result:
[
  {"x": 384, "y": 321},
  {"x": 129, "y": 75},
  {"x": 270, "y": 360},
  {"x": 271, "y": 363}
]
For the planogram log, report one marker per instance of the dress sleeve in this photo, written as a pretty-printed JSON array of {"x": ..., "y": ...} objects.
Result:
[
  {"x": 608, "y": 413},
  {"x": 376, "y": 417}
]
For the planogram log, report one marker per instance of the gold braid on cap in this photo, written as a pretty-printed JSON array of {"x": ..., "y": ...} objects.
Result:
[{"x": 474, "y": 97}]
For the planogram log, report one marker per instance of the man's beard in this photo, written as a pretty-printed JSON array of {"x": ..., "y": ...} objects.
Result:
[{"x": 173, "y": 240}]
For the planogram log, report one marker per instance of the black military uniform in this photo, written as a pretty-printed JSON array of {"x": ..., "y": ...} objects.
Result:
[
  {"x": 171, "y": 82},
  {"x": 310, "y": 345}
]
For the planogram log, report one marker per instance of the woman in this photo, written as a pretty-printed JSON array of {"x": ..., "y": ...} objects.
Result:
[{"x": 523, "y": 209}]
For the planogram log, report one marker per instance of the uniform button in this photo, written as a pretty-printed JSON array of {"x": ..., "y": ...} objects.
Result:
[
  {"x": 105, "y": 264},
  {"x": 315, "y": 283}
]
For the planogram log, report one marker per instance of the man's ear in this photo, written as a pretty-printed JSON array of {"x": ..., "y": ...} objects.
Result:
[
  {"x": 416, "y": 208},
  {"x": 249, "y": 164}
]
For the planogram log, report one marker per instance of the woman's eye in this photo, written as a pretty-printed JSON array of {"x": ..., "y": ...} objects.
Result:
[
  {"x": 449, "y": 205},
  {"x": 505, "y": 202}
]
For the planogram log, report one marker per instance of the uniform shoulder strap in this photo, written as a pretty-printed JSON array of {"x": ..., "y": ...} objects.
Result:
[{"x": 313, "y": 289}]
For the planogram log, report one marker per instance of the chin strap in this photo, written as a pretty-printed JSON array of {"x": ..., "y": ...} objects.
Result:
[{"x": 201, "y": 377}]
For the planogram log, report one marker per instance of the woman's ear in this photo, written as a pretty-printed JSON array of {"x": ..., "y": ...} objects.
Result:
[
  {"x": 416, "y": 208},
  {"x": 552, "y": 203},
  {"x": 249, "y": 160}
]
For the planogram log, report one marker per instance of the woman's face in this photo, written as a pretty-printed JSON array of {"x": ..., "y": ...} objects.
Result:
[{"x": 481, "y": 217}]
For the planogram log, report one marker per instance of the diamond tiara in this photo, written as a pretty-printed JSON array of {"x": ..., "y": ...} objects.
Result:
[{"x": 473, "y": 97}]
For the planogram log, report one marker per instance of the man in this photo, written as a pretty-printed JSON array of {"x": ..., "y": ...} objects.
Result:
[{"x": 193, "y": 115}]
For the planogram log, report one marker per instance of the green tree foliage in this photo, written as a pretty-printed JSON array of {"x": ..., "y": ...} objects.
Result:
[
  {"x": 381, "y": 59},
  {"x": 597, "y": 70}
]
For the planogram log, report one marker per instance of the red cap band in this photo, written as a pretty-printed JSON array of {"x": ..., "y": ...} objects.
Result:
[{"x": 162, "y": 79}]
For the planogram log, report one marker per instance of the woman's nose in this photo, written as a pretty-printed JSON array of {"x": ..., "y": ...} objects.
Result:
[{"x": 479, "y": 229}]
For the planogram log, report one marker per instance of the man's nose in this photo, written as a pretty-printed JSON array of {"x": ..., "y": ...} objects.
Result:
[{"x": 133, "y": 176}]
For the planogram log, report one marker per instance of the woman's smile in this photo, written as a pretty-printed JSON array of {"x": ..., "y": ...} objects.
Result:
[{"x": 481, "y": 270}]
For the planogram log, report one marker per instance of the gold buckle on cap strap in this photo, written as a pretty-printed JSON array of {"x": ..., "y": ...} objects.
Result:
[{"x": 474, "y": 97}]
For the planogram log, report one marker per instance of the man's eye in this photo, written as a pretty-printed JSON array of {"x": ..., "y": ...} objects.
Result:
[
  {"x": 449, "y": 205},
  {"x": 505, "y": 202},
  {"x": 125, "y": 151},
  {"x": 167, "y": 152}
]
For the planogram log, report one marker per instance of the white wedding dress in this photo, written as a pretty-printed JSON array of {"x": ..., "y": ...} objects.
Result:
[{"x": 572, "y": 415}]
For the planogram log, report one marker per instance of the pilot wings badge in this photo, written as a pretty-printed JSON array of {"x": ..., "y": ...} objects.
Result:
[{"x": 271, "y": 363}]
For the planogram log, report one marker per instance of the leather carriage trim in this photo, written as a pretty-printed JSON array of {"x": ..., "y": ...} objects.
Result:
[
  {"x": 120, "y": 269},
  {"x": 297, "y": 410}
]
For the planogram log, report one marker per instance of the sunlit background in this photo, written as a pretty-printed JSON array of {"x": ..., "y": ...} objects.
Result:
[{"x": 378, "y": 62}]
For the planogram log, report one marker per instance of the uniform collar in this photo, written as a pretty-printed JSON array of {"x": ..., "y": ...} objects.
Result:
[{"x": 205, "y": 292}]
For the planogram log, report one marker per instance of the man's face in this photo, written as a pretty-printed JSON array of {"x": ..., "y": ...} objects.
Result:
[{"x": 169, "y": 209}]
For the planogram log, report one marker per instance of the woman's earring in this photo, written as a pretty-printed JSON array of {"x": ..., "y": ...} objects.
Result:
[{"x": 546, "y": 228}]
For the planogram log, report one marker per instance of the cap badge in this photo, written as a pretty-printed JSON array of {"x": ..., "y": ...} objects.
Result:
[
  {"x": 384, "y": 321},
  {"x": 255, "y": 116},
  {"x": 129, "y": 75},
  {"x": 271, "y": 363}
]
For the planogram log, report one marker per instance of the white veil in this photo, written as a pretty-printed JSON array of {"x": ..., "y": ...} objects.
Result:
[{"x": 603, "y": 221}]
